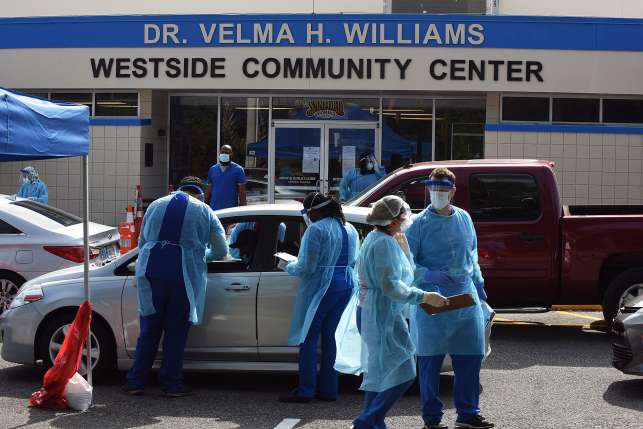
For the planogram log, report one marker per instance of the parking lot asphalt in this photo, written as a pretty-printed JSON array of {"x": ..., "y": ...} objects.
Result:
[{"x": 548, "y": 370}]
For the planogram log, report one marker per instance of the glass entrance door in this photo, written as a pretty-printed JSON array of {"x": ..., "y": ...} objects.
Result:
[{"x": 323, "y": 157}]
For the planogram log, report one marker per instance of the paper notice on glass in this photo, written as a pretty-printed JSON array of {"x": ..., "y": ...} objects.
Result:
[
  {"x": 348, "y": 158},
  {"x": 310, "y": 162}
]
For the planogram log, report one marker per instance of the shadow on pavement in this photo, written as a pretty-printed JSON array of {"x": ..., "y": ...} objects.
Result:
[{"x": 626, "y": 394}]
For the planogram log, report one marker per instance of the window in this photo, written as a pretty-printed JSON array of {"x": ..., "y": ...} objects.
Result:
[
  {"x": 439, "y": 6},
  {"x": 84, "y": 98},
  {"x": 415, "y": 194},
  {"x": 504, "y": 197},
  {"x": 63, "y": 218},
  {"x": 526, "y": 109},
  {"x": 5, "y": 228},
  {"x": 116, "y": 104},
  {"x": 622, "y": 111},
  {"x": 407, "y": 131},
  {"x": 459, "y": 130},
  {"x": 128, "y": 268},
  {"x": 334, "y": 108},
  {"x": 288, "y": 238},
  {"x": 576, "y": 110},
  {"x": 244, "y": 254}
]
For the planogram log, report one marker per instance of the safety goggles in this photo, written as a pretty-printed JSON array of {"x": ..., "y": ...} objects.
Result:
[{"x": 439, "y": 185}]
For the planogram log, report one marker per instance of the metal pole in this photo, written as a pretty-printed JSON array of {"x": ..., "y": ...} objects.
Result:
[{"x": 86, "y": 258}]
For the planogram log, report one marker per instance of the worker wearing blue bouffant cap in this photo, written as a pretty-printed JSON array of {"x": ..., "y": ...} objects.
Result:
[{"x": 443, "y": 242}]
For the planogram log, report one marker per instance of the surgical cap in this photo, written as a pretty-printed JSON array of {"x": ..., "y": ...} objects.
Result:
[{"x": 385, "y": 210}]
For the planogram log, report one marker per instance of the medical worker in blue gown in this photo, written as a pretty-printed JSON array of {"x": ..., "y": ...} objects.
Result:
[
  {"x": 326, "y": 263},
  {"x": 32, "y": 188},
  {"x": 171, "y": 279},
  {"x": 443, "y": 242},
  {"x": 384, "y": 353},
  {"x": 357, "y": 179}
]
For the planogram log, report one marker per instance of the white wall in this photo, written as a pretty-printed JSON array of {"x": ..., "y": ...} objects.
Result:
[
  {"x": 599, "y": 8},
  {"x": 11, "y": 8}
]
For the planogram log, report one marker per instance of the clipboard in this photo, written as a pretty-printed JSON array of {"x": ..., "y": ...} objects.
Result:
[{"x": 456, "y": 302}]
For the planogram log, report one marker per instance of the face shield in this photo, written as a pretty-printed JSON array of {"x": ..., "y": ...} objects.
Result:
[
  {"x": 440, "y": 191},
  {"x": 200, "y": 196},
  {"x": 405, "y": 216},
  {"x": 370, "y": 161},
  {"x": 24, "y": 176},
  {"x": 304, "y": 212}
]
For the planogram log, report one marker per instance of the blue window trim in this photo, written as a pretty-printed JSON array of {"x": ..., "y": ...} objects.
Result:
[
  {"x": 131, "y": 122},
  {"x": 563, "y": 128}
]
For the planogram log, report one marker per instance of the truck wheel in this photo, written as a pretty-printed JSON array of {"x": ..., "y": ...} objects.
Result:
[
  {"x": 102, "y": 354},
  {"x": 626, "y": 286},
  {"x": 9, "y": 285}
]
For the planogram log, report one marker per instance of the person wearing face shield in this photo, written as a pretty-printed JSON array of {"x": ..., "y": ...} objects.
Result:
[
  {"x": 385, "y": 352},
  {"x": 226, "y": 183},
  {"x": 31, "y": 186},
  {"x": 171, "y": 279},
  {"x": 443, "y": 242},
  {"x": 357, "y": 179},
  {"x": 326, "y": 263}
]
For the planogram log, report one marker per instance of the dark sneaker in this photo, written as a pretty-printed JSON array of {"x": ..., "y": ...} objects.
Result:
[
  {"x": 324, "y": 398},
  {"x": 128, "y": 389},
  {"x": 182, "y": 391},
  {"x": 476, "y": 422},
  {"x": 295, "y": 398},
  {"x": 435, "y": 424}
]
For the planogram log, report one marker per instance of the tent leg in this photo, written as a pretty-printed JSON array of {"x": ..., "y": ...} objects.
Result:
[{"x": 86, "y": 258}]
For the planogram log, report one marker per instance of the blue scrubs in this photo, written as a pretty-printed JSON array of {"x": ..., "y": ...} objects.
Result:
[
  {"x": 326, "y": 319},
  {"x": 225, "y": 185}
]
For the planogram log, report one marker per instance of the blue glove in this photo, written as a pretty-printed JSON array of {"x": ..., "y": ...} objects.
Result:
[
  {"x": 481, "y": 293},
  {"x": 439, "y": 277}
]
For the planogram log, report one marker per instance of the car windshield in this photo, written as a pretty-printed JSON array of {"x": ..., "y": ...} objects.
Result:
[
  {"x": 63, "y": 218},
  {"x": 357, "y": 199}
]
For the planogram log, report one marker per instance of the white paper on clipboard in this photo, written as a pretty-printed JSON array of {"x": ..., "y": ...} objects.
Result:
[{"x": 284, "y": 259}]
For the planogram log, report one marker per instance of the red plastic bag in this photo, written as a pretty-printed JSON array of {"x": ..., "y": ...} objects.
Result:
[{"x": 52, "y": 395}]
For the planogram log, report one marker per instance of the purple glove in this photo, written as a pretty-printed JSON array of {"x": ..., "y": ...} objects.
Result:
[
  {"x": 439, "y": 277},
  {"x": 481, "y": 293}
]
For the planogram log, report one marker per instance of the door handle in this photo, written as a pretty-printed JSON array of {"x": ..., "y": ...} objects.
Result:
[
  {"x": 531, "y": 237},
  {"x": 237, "y": 286}
]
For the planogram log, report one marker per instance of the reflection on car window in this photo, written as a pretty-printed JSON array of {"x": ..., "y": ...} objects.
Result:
[
  {"x": 242, "y": 238},
  {"x": 415, "y": 194},
  {"x": 5, "y": 228},
  {"x": 504, "y": 197},
  {"x": 63, "y": 218}
]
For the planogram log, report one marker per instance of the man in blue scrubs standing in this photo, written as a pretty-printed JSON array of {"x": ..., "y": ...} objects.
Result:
[
  {"x": 171, "y": 276},
  {"x": 226, "y": 184}
]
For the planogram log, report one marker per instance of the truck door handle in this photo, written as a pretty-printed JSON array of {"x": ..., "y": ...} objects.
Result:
[
  {"x": 237, "y": 286},
  {"x": 531, "y": 237}
]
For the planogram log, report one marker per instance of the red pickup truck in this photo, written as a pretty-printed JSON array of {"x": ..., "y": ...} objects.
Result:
[{"x": 533, "y": 252}]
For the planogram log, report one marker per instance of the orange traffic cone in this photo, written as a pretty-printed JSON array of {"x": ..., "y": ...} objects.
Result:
[
  {"x": 130, "y": 221},
  {"x": 126, "y": 238},
  {"x": 139, "y": 211}
]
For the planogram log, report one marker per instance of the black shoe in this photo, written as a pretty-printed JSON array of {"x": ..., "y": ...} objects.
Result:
[
  {"x": 182, "y": 391},
  {"x": 435, "y": 424},
  {"x": 475, "y": 422},
  {"x": 128, "y": 389},
  {"x": 324, "y": 398},
  {"x": 295, "y": 398}
]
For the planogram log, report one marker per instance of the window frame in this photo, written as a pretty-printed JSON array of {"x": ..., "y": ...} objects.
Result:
[
  {"x": 496, "y": 175},
  {"x": 48, "y": 93},
  {"x": 19, "y": 232}
]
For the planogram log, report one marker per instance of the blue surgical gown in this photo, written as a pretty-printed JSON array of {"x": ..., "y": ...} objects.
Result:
[
  {"x": 318, "y": 254},
  {"x": 38, "y": 191},
  {"x": 385, "y": 351},
  {"x": 199, "y": 228},
  {"x": 447, "y": 243},
  {"x": 225, "y": 185},
  {"x": 355, "y": 182}
]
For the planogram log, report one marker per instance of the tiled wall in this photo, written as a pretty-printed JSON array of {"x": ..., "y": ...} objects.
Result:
[
  {"x": 116, "y": 166},
  {"x": 590, "y": 168}
]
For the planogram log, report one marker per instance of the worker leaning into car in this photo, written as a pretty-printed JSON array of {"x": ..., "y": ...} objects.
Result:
[{"x": 171, "y": 280}]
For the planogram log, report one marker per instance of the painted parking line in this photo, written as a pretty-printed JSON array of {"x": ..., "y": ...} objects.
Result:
[
  {"x": 566, "y": 313},
  {"x": 287, "y": 424},
  {"x": 517, "y": 323},
  {"x": 578, "y": 307}
]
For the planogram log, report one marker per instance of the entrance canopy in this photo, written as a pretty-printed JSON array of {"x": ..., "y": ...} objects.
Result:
[{"x": 33, "y": 128}]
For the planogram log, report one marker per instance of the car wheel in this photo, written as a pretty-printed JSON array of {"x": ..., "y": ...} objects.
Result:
[
  {"x": 101, "y": 350},
  {"x": 9, "y": 285},
  {"x": 625, "y": 287}
]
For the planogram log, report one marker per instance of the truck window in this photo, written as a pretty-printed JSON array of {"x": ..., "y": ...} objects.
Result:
[
  {"x": 504, "y": 197},
  {"x": 415, "y": 194}
]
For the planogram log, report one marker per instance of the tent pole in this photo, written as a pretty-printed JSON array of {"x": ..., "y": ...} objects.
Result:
[{"x": 86, "y": 258}]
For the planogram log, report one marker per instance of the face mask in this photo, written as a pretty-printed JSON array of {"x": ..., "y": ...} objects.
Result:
[
  {"x": 25, "y": 180},
  {"x": 439, "y": 199},
  {"x": 369, "y": 166},
  {"x": 224, "y": 157},
  {"x": 406, "y": 224}
]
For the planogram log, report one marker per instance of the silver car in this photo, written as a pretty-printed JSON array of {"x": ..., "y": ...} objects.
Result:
[
  {"x": 627, "y": 334},
  {"x": 36, "y": 239},
  {"x": 247, "y": 310}
]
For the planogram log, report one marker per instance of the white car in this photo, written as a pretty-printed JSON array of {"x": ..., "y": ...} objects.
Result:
[
  {"x": 36, "y": 239},
  {"x": 248, "y": 306}
]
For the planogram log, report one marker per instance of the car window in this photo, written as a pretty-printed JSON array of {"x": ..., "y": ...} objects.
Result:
[
  {"x": 242, "y": 235},
  {"x": 504, "y": 197},
  {"x": 5, "y": 228},
  {"x": 59, "y": 216},
  {"x": 357, "y": 199},
  {"x": 414, "y": 192},
  {"x": 128, "y": 268},
  {"x": 256, "y": 191}
]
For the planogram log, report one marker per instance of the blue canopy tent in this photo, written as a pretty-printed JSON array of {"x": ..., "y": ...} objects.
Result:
[{"x": 33, "y": 128}]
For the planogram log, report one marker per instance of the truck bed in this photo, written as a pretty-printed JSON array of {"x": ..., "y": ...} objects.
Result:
[{"x": 603, "y": 210}]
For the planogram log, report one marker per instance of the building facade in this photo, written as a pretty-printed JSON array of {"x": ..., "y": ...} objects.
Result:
[{"x": 300, "y": 97}]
